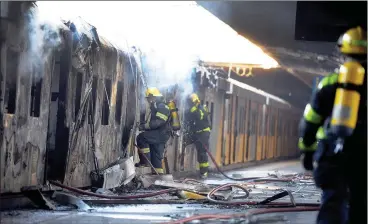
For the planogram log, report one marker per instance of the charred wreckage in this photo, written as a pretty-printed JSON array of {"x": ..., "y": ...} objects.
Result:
[{"x": 71, "y": 120}]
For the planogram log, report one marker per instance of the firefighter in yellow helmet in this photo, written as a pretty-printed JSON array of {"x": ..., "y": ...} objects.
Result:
[
  {"x": 198, "y": 131},
  {"x": 333, "y": 135},
  {"x": 155, "y": 131}
]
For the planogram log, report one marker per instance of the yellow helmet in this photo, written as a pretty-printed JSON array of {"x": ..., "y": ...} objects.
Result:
[
  {"x": 353, "y": 41},
  {"x": 153, "y": 91},
  {"x": 194, "y": 98}
]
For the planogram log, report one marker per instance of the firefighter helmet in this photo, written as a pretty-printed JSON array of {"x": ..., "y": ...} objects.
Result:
[
  {"x": 194, "y": 98},
  {"x": 153, "y": 91},
  {"x": 353, "y": 41}
]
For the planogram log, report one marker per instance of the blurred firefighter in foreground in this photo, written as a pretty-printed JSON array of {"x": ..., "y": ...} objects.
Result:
[
  {"x": 156, "y": 131},
  {"x": 198, "y": 131},
  {"x": 337, "y": 117}
]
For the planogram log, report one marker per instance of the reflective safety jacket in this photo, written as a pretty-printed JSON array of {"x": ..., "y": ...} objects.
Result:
[
  {"x": 197, "y": 119},
  {"x": 158, "y": 118},
  {"x": 315, "y": 122}
]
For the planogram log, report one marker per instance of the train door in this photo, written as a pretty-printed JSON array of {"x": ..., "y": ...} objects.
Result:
[
  {"x": 227, "y": 129},
  {"x": 286, "y": 137},
  {"x": 233, "y": 128},
  {"x": 246, "y": 120},
  {"x": 278, "y": 133},
  {"x": 58, "y": 130},
  {"x": 260, "y": 131},
  {"x": 265, "y": 133},
  {"x": 271, "y": 134},
  {"x": 252, "y": 130},
  {"x": 240, "y": 130}
]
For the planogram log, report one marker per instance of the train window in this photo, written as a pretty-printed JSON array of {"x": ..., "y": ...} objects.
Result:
[
  {"x": 239, "y": 124},
  {"x": 279, "y": 126},
  {"x": 119, "y": 101},
  {"x": 106, "y": 102},
  {"x": 12, "y": 61},
  {"x": 78, "y": 94},
  {"x": 272, "y": 124},
  {"x": 242, "y": 120},
  {"x": 229, "y": 116},
  {"x": 253, "y": 123},
  {"x": 266, "y": 125},
  {"x": 36, "y": 85},
  {"x": 94, "y": 95}
]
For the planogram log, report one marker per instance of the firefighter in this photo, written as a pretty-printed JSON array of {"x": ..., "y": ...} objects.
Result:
[
  {"x": 198, "y": 131},
  {"x": 151, "y": 142},
  {"x": 337, "y": 117}
]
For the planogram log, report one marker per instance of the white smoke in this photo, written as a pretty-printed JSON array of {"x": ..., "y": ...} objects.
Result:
[
  {"x": 167, "y": 69},
  {"x": 43, "y": 35},
  {"x": 172, "y": 35}
]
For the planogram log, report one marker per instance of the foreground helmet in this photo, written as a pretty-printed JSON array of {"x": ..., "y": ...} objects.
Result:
[
  {"x": 194, "y": 98},
  {"x": 353, "y": 42},
  {"x": 153, "y": 91}
]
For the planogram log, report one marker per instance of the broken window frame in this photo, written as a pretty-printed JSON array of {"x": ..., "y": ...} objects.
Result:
[
  {"x": 36, "y": 91},
  {"x": 94, "y": 98},
  {"x": 78, "y": 77},
  {"x": 106, "y": 92},
  {"x": 11, "y": 81},
  {"x": 119, "y": 102}
]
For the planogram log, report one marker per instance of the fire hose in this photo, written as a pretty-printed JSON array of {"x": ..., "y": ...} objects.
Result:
[
  {"x": 240, "y": 179},
  {"x": 247, "y": 215}
]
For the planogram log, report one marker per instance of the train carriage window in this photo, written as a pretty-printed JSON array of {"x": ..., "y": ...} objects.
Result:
[
  {"x": 242, "y": 120},
  {"x": 12, "y": 62},
  {"x": 78, "y": 94},
  {"x": 229, "y": 116},
  {"x": 36, "y": 87},
  {"x": 266, "y": 126},
  {"x": 106, "y": 89},
  {"x": 272, "y": 124},
  {"x": 94, "y": 96},
  {"x": 279, "y": 126},
  {"x": 119, "y": 101},
  {"x": 239, "y": 112},
  {"x": 245, "y": 115},
  {"x": 253, "y": 123}
]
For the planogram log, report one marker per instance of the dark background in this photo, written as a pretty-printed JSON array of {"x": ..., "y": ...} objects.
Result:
[
  {"x": 301, "y": 36},
  {"x": 325, "y": 21}
]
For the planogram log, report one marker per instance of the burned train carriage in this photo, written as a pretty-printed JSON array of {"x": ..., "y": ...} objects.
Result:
[
  {"x": 247, "y": 125},
  {"x": 73, "y": 119},
  {"x": 76, "y": 114}
]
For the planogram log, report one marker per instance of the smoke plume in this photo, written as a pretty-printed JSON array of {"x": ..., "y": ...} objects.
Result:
[{"x": 44, "y": 37}]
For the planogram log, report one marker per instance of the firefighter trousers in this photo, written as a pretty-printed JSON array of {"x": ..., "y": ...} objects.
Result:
[
  {"x": 343, "y": 180},
  {"x": 152, "y": 145},
  {"x": 201, "y": 141}
]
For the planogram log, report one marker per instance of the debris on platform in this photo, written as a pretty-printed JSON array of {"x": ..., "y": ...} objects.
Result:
[
  {"x": 37, "y": 198},
  {"x": 190, "y": 195},
  {"x": 68, "y": 199},
  {"x": 104, "y": 191},
  {"x": 119, "y": 173},
  {"x": 183, "y": 186},
  {"x": 149, "y": 180}
]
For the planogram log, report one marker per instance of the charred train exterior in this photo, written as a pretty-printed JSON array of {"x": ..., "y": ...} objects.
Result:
[
  {"x": 45, "y": 126},
  {"x": 46, "y": 122}
]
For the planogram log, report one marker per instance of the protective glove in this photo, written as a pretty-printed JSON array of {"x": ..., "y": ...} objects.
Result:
[
  {"x": 307, "y": 160},
  {"x": 142, "y": 127},
  {"x": 188, "y": 139}
]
